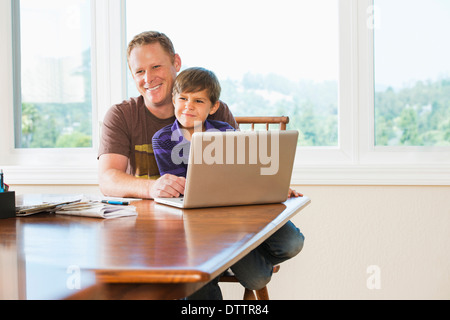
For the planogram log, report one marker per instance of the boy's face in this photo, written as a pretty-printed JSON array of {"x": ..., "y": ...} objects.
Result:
[{"x": 192, "y": 108}]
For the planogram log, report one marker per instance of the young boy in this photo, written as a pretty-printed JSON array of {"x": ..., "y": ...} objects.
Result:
[{"x": 196, "y": 95}]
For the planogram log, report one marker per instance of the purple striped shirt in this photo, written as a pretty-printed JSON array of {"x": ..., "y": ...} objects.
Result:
[{"x": 170, "y": 140}]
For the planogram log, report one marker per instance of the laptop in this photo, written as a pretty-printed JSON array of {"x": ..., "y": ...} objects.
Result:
[{"x": 237, "y": 168}]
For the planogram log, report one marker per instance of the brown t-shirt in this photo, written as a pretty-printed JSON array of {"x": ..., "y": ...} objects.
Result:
[{"x": 128, "y": 129}]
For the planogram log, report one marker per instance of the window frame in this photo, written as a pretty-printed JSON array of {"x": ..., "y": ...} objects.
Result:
[
  {"x": 366, "y": 163},
  {"x": 369, "y": 152},
  {"x": 355, "y": 161},
  {"x": 18, "y": 152},
  {"x": 68, "y": 165}
]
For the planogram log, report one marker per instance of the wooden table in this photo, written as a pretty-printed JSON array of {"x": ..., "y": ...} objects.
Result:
[{"x": 163, "y": 253}]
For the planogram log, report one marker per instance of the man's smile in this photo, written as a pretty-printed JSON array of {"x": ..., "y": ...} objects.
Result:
[{"x": 152, "y": 89}]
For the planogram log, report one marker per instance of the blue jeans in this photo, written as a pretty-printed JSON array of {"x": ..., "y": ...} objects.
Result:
[{"x": 254, "y": 271}]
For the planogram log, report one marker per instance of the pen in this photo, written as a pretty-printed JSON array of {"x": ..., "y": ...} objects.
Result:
[
  {"x": 2, "y": 186},
  {"x": 122, "y": 203}
]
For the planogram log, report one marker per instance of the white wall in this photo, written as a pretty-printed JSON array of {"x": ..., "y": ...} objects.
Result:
[{"x": 403, "y": 230}]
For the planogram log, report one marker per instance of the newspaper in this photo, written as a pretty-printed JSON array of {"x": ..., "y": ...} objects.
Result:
[
  {"x": 95, "y": 209},
  {"x": 38, "y": 203},
  {"x": 80, "y": 205}
]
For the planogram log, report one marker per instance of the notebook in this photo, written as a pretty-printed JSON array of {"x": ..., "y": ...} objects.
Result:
[{"x": 237, "y": 168}]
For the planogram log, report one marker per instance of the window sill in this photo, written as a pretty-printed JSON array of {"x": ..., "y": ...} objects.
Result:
[
  {"x": 302, "y": 175},
  {"x": 372, "y": 175},
  {"x": 41, "y": 175}
]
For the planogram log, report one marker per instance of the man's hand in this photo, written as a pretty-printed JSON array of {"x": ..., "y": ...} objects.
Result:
[
  {"x": 168, "y": 186},
  {"x": 293, "y": 193},
  {"x": 115, "y": 182}
]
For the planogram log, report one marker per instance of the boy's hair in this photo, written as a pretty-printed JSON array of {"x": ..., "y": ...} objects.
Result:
[
  {"x": 149, "y": 37},
  {"x": 198, "y": 79}
]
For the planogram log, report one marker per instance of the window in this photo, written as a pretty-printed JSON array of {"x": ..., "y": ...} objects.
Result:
[
  {"x": 333, "y": 66},
  {"x": 53, "y": 100},
  {"x": 412, "y": 73},
  {"x": 272, "y": 58}
]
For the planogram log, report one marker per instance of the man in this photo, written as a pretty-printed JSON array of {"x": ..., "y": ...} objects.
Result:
[{"x": 127, "y": 166}]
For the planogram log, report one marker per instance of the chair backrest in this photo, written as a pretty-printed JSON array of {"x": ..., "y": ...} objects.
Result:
[{"x": 282, "y": 121}]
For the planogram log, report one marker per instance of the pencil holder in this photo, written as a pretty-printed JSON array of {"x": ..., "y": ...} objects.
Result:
[{"x": 7, "y": 204}]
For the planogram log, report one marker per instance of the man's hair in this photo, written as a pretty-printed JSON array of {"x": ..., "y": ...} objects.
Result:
[
  {"x": 149, "y": 37},
  {"x": 198, "y": 79}
]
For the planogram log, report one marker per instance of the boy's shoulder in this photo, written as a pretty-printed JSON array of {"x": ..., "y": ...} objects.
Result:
[{"x": 164, "y": 133}]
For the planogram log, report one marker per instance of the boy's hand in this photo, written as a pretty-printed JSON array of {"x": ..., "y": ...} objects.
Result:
[
  {"x": 293, "y": 193},
  {"x": 168, "y": 186}
]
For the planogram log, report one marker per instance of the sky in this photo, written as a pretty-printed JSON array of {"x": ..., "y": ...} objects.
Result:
[
  {"x": 54, "y": 28},
  {"x": 411, "y": 41},
  {"x": 294, "y": 38}
]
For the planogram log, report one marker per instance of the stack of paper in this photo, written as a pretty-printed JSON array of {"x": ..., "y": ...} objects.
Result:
[
  {"x": 97, "y": 210},
  {"x": 26, "y": 210},
  {"x": 80, "y": 205}
]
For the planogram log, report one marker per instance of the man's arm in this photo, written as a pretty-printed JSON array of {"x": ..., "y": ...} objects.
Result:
[{"x": 115, "y": 182}]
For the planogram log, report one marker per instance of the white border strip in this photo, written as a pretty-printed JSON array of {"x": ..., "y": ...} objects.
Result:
[{"x": 304, "y": 175}]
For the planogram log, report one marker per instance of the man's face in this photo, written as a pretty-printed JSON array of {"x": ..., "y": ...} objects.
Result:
[{"x": 154, "y": 73}]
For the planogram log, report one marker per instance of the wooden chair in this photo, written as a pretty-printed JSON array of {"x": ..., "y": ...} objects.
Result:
[
  {"x": 228, "y": 276},
  {"x": 282, "y": 121},
  {"x": 261, "y": 294}
]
